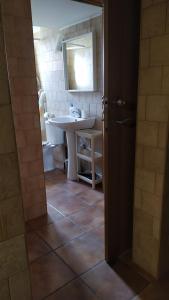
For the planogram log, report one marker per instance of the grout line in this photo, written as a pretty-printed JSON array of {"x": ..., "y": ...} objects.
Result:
[
  {"x": 78, "y": 276},
  {"x": 67, "y": 217},
  {"x": 61, "y": 287},
  {"x": 58, "y": 211},
  {"x": 91, "y": 268},
  {"x": 40, "y": 256},
  {"x": 9, "y": 289},
  {"x": 65, "y": 263},
  {"x": 89, "y": 287}
]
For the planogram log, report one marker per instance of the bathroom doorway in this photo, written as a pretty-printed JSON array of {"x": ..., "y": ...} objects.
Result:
[{"x": 71, "y": 237}]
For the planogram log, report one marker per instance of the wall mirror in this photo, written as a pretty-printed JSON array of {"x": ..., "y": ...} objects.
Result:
[{"x": 79, "y": 63}]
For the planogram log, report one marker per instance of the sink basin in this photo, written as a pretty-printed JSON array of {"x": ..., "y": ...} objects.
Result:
[{"x": 70, "y": 125}]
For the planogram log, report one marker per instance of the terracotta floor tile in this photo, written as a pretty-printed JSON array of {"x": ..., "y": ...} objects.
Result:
[
  {"x": 51, "y": 216},
  {"x": 100, "y": 204},
  {"x": 67, "y": 203},
  {"x": 100, "y": 232},
  {"x": 92, "y": 196},
  {"x": 48, "y": 273},
  {"x": 54, "y": 178},
  {"x": 75, "y": 290},
  {"x": 108, "y": 284},
  {"x": 57, "y": 192},
  {"x": 36, "y": 246},
  {"x": 59, "y": 232},
  {"x": 84, "y": 252},
  {"x": 76, "y": 187},
  {"x": 155, "y": 291},
  {"x": 89, "y": 217}
]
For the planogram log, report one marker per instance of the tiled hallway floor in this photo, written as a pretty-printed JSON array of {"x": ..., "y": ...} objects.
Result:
[{"x": 66, "y": 250}]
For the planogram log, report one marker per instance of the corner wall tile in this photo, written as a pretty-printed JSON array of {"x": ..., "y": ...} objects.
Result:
[
  {"x": 20, "y": 286},
  {"x": 12, "y": 257},
  {"x": 7, "y": 140},
  {"x": 4, "y": 290}
]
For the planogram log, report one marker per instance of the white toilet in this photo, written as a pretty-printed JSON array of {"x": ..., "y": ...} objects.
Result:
[{"x": 54, "y": 138}]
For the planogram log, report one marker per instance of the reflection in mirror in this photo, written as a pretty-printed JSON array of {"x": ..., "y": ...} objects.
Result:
[{"x": 79, "y": 57}]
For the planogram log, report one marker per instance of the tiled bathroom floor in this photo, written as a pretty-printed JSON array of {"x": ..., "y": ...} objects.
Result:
[{"x": 66, "y": 250}]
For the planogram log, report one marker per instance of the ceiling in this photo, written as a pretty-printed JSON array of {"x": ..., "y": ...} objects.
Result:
[{"x": 61, "y": 13}]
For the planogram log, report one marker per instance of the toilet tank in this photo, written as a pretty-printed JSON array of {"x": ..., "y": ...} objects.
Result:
[{"x": 54, "y": 135}]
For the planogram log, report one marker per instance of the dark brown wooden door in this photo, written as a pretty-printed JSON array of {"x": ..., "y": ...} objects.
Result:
[
  {"x": 121, "y": 48},
  {"x": 121, "y": 29}
]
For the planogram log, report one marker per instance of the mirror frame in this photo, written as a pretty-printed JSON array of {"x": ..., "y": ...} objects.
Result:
[{"x": 93, "y": 62}]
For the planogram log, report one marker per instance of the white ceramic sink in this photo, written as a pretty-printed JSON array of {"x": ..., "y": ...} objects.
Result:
[{"x": 70, "y": 125}]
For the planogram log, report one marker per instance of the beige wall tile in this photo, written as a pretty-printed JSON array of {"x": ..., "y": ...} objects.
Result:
[
  {"x": 152, "y": 135},
  {"x": 138, "y": 198},
  {"x": 7, "y": 140},
  {"x": 30, "y": 153},
  {"x": 19, "y": 27},
  {"x": 16, "y": 8},
  {"x": 147, "y": 133},
  {"x": 159, "y": 50},
  {"x": 4, "y": 88},
  {"x": 23, "y": 86},
  {"x": 144, "y": 53},
  {"x": 20, "y": 66},
  {"x": 24, "y": 121},
  {"x": 157, "y": 108},
  {"x": 33, "y": 137},
  {"x": 145, "y": 180},
  {"x": 25, "y": 104},
  {"x": 139, "y": 160},
  {"x": 151, "y": 204},
  {"x": 163, "y": 135},
  {"x": 20, "y": 286},
  {"x": 4, "y": 290},
  {"x": 34, "y": 167},
  {"x": 167, "y": 21},
  {"x": 19, "y": 48},
  {"x": 159, "y": 188},
  {"x": 35, "y": 211},
  {"x": 157, "y": 228},
  {"x": 3, "y": 72},
  {"x": 159, "y": 1},
  {"x": 21, "y": 69},
  {"x": 141, "y": 108},
  {"x": 146, "y": 3},
  {"x": 33, "y": 183},
  {"x": 165, "y": 80},
  {"x": 147, "y": 254},
  {"x": 153, "y": 20},
  {"x": 12, "y": 257},
  {"x": 11, "y": 218},
  {"x": 9, "y": 176},
  {"x": 33, "y": 197},
  {"x": 143, "y": 222},
  {"x": 150, "y": 81},
  {"x": 154, "y": 159},
  {"x": 20, "y": 137}
]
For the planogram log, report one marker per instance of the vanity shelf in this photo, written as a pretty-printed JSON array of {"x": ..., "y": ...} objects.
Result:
[{"x": 89, "y": 154}]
